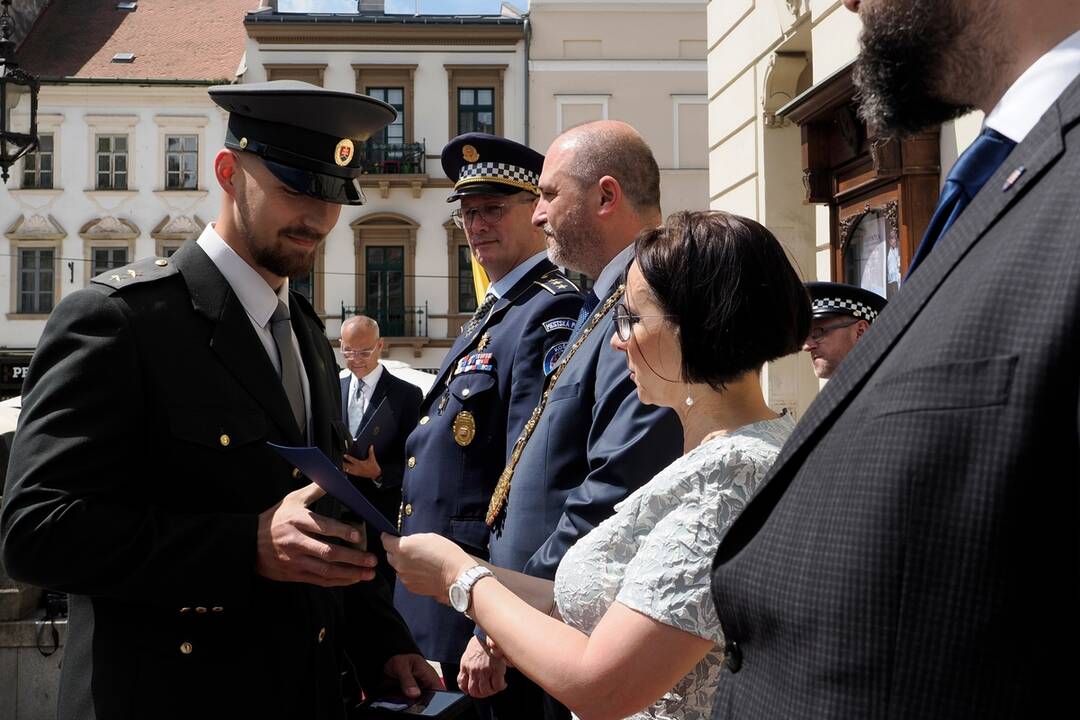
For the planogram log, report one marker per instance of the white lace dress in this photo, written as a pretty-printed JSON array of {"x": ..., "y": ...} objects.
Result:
[{"x": 654, "y": 555}]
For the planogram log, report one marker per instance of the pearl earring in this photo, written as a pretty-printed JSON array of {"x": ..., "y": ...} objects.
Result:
[{"x": 689, "y": 401}]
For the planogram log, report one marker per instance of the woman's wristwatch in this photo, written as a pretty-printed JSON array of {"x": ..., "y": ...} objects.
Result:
[{"x": 461, "y": 590}]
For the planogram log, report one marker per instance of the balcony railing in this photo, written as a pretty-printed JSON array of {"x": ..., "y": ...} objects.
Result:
[
  {"x": 393, "y": 158},
  {"x": 393, "y": 322}
]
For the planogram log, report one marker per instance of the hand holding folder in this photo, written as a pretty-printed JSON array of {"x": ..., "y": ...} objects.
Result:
[{"x": 312, "y": 462}]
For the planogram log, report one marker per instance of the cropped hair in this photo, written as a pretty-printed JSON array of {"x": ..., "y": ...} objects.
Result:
[{"x": 731, "y": 290}]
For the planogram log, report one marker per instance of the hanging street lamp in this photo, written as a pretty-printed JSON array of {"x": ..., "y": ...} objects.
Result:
[{"x": 14, "y": 84}]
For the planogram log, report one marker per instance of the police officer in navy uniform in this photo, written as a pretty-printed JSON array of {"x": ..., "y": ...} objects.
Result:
[
  {"x": 207, "y": 577},
  {"x": 842, "y": 314},
  {"x": 492, "y": 376}
]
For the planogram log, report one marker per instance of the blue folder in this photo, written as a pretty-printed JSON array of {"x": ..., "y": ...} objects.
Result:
[
  {"x": 312, "y": 462},
  {"x": 378, "y": 431}
]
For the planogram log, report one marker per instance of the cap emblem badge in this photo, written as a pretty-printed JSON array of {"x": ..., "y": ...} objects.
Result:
[
  {"x": 343, "y": 153},
  {"x": 469, "y": 153}
]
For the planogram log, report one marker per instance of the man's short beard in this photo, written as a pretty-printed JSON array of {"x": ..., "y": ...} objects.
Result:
[
  {"x": 271, "y": 256},
  {"x": 916, "y": 55}
]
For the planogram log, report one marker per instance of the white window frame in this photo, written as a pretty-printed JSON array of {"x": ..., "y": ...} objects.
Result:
[
  {"x": 180, "y": 125},
  {"x": 48, "y": 124},
  {"x": 677, "y": 101},
  {"x": 111, "y": 125},
  {"x": 561, "y": 100}
]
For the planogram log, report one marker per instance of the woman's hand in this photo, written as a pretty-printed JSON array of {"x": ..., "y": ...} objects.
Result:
[{"x": 426, "y": 563}]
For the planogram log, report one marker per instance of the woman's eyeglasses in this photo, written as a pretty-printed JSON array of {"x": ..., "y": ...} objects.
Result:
[{"x": 624, "y": 321}]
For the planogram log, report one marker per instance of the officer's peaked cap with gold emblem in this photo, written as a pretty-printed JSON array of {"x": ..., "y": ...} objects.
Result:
[
  {"x": 482, "y": 164},
  {"x": 308, "y": 137}
]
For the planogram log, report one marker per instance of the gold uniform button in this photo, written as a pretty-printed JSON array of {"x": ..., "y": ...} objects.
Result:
[
  {"x": 296, "y": 473},
  {"x": 185, "y": 610},
  {"x": 322, "y": 634},
  {"x": 408, "y": 508},
  {"x": 424, "y": 420},
  {"x": 185, "y": 647},
  {"x": 217, "y": 608},
  {"x": 161, "y": 262},
  {"x": 200, "y": 610},
  {"x": 412, "y": 462},
  {"x": 225, "y": 440}
]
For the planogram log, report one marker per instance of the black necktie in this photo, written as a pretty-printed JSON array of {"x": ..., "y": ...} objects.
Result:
[
  {"x": 971, "y": 171},
  {"x": 478, "y": 316},
  {"x": 290, "y": 369}
]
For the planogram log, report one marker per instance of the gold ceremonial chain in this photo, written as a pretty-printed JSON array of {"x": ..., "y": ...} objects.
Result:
[{"x": 502, "y": 488}]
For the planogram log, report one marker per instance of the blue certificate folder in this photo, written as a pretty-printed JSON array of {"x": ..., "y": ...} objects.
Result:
[
  {"x": 378, "y": 431},
  {"x": 313, "y": 463}
]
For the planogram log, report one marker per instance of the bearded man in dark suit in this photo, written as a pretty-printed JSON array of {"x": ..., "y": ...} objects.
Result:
[
  {"x": 206, "y": 577},
  {"x": 914, "y": 550}
]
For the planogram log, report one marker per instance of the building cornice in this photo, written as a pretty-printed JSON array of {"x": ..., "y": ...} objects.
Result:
[{"x": 345, "y": 33}]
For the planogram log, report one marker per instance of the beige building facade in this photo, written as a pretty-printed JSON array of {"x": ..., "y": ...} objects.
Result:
[
  {"x": 640, "y": 62},
  {"x": 786, "y": 149}
]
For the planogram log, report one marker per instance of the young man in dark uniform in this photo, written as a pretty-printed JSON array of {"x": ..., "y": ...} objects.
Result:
[
  {"x": 206, "y": 577},
  {"x": 492, "y": 377}
]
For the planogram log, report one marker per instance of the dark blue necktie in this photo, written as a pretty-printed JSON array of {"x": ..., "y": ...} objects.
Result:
[
  {"x": 591, "y": 301},
  {"x": 971, "y": 171}
]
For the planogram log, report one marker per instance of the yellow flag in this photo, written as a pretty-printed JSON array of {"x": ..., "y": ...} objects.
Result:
[{"x": 479, "y": 280}]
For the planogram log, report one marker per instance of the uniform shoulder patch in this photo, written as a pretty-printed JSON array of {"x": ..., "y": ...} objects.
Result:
[
  {"x": 551, "y": 358},
  {"x": 138, "y": 272},
  {"x": 555, "y": 283}
]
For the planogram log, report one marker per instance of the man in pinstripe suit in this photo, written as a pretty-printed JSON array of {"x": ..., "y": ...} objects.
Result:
[{"x": 914, "y": 550}]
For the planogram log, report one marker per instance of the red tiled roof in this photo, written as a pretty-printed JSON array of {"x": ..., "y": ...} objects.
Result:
[{"x": 171, "y": 39}]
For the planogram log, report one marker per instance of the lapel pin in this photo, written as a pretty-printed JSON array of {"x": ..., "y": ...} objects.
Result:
[{"x": 1013, "y": 177}]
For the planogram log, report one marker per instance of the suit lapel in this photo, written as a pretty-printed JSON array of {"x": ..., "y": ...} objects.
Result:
[
  {"x": 234, "y": 340},
  {"x": 464, "y": 342},
  {"x": 1043, "y": 146},
  {"x": 310, "y": 337},
  {"x": 377, "y": 395}
]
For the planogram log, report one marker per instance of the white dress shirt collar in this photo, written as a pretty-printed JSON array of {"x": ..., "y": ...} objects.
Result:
[
  {"x": 1039, "y": 87},
  {"x": 370, "y": 380},
  {"x": 612, "y": 272},
  {"x": 258, "y": 298},
  {"x": 504, "y": 284}
]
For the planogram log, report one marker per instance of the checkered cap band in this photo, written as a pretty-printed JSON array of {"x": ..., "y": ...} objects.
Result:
[
  {"x": 844, "y": 306},
  {"x": 499, "y": 173}
]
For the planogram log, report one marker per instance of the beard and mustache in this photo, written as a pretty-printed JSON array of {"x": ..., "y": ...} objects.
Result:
[{"x": 923, "y": 62}]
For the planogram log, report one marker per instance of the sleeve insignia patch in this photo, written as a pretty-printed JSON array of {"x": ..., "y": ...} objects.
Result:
[{"x": 551, "y": 359}]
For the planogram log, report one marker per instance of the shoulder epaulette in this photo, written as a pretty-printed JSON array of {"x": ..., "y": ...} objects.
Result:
[
  {"x": 555, "y": 283},
  {"x": 138, "y": 272}
]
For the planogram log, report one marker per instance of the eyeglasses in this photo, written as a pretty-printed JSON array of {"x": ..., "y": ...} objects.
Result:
[
  {"x": 818, "y": 334},
  {"x": 624, "y": 321},
  {"x": 361, "y": 354},
  {"x": 490, "y": 214}
]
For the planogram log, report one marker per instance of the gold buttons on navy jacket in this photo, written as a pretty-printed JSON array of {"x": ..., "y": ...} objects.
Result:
[
  {"x": 408, "y": 508},
  {"x": 224, "y": 439},
  {"x": 412, "y": 461},
  {"x": 186, "y": 648},
  {"x": 161, "y": 262},
  {"x": 200, "y": 610},
  {"x": 322, "y": 634},
  {"x": 296, "y": 473}
]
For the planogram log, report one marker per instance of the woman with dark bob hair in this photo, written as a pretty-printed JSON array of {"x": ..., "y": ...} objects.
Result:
[{"x": 628, "y": 627}]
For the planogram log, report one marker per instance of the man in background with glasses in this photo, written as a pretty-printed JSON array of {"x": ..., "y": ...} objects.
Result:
[
  {"x": 842, "y": 313},
  {"x": 377, "y": 473},
  {"x": 489, "y": 382}
]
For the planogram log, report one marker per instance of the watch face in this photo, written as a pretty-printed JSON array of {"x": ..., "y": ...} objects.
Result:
[{"x": 459, "y": 598}]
